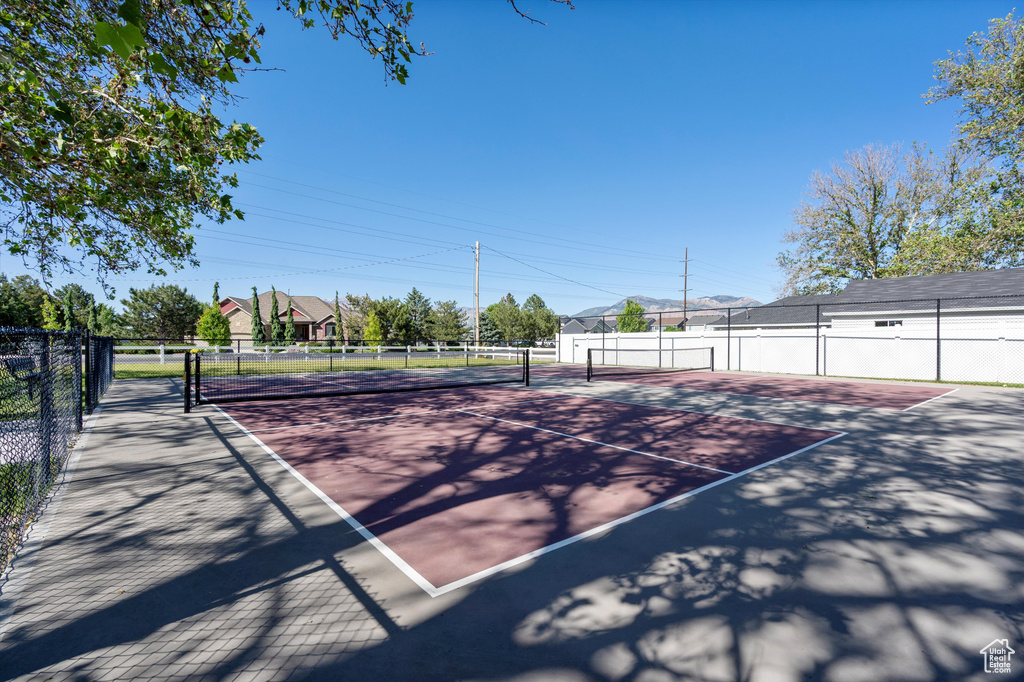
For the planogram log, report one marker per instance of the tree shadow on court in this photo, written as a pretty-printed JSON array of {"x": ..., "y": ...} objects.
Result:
[{"x": 895, "y": 551}]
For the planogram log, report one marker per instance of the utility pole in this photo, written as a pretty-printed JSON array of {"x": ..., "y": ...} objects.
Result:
[
  {"x": 476, "y": 293},
  {"x": 686, "y": 273}
]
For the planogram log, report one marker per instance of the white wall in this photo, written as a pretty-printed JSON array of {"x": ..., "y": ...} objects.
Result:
[{"x": 973, "y": 348}]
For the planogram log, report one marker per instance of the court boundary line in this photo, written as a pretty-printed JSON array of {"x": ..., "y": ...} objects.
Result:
[
  {"x": 799, "y": 378},
  {"x": 597, "y": 442},
  {"x": 951, "y": 391},
  {"x": 433, "y": 591},
  {"x": 399, "y": 563},
  {"x": 406, "y": 414},
  {"x": 480, "y": 575}
]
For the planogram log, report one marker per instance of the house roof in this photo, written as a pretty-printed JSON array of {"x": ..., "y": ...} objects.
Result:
[
  {"x": 788, "y": 311},
  {"x": 312, "y": 308},
  {"x": 958, "y": 290}
]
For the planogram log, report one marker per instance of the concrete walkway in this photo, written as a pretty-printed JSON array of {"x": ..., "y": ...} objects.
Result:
[{"x": 179, "y": 550}]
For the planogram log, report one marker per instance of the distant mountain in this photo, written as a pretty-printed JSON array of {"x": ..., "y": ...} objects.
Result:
[{"x": 656, "y": 305}]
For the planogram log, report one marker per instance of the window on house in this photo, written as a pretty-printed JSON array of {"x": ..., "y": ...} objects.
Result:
[
  {"x": 888, "y": 323},
  {"x": 329, "y": 329}
]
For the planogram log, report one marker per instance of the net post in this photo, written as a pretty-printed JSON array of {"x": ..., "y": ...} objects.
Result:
[
  {"x": 188, "y": 382},
  {"x": 526, "y": 366},
  {"x": 89, "y": 378},
  {"x": 590, "y": 364},
  {"x": 198, "y": 375},
  {"x": 712, "y": 358},
  {"x": 938, "y": 340},
  {"x": 728, "y": 338}
]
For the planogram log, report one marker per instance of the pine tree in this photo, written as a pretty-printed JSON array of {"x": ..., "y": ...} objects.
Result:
[
  {"x": 259, "y": 332},
  {"x": 289, "y": 325},
  {"x": 216, "y": 293},
  {"x": 94, "y": 325},
  {"x": 69, "y": 317},
  {"x": 276, "y": 330},
  {"x": 339, "y": 332}
]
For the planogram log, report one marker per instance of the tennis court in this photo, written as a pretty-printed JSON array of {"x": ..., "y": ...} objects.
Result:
[{"x": 453, "y": 485}]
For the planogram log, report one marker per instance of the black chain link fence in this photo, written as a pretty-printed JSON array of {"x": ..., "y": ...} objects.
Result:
[
  {"x": 43, "y": 396},
  {"x": 963, "y": 339}
]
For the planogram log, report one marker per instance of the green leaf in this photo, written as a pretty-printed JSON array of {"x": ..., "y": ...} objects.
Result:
[
  {"x": 131, "y": 12},
  {"x": 161, "y": 66},
  {"x": 227, "y": 75},
  {"x": 122, "y": 39}
]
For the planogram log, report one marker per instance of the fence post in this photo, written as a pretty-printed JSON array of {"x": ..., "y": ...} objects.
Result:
[
  {"x": 938, "y": 340},
  {"x": 728, "y": 338},
  {"x": 817, "y": 339},
  {"x": 45, "y": 409},
  {"x": 87, "y": 345},
  {"x": 187, "y": 380},
  {"x": 161, "y": 352},
  {"x": 199, "y": 375},
  {"x": 79, "y": 407}
]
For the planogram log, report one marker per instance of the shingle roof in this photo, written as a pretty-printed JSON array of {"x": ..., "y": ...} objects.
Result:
[
  {"x": 312, "y": 308},
  {"x": 791, "y": 310},
  {"x": 1006, "y": 282}
]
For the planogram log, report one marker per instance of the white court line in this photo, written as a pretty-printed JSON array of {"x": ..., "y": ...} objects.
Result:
[
  {"x": 617, "y": 522},
  {"x": 433, "y": 591},
  {"x": 597, "y": 442},
  {"x": 408, "y": 414},
  {"x": 822, "y": 380},
  {"x": 952, "y": 390},
  {"x": 398, "y": 561}
]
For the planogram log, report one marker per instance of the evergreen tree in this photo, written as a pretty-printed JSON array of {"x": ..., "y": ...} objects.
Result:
[
  {"x": 631, "y": 319},
  {"x": 508, "y": 318},
  {"x": 216, "y": 293},
  {"x": 94, "y": 323},
  {"x": 276, "y": 330},
  {"x": 75, "y": 301},
  {"x": 259, "y": 332},
  {"x": 14, "y": 310},
  {"x": 33, "y": 294},
  {"x": 69, "y": 313},
  {"x": 448, "y": 323},
  {"x": 161, "y": 312},
  {"x": 214, "y": 327},
  {"x": 417, "y": 307},
  {"x": 539, "y": 321},
  {"x": 289, "y": 325},
  {"x": 489, "y": 334},
  {"x": 52, "y": 318},
  {"x": 339, "y": 330}
]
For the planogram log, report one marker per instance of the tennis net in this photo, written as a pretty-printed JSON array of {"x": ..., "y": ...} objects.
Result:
[
  {"x": 227, "y": 377},
  {"x": 624, "y": 361}
]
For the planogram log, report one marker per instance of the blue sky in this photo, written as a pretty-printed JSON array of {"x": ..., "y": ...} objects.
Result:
[{"x": 584, "y": 155}]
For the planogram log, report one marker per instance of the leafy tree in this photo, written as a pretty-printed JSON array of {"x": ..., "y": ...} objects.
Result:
[
  {"x": 276, "y": 330},
  {"x": 339, "y": 329},
  {"x": 289, "y": 325},
  {"x": 417, "y": 307},
  {"x": 373, "y": 333},
  {"x": 33, "y": 294},
  {"x": 508, "y": 318},
  {"x": 107, "y": 324},
  {"x": 858, "y": 218},
  {"x": 111, "y": 142},
  {"x": 539, "y": 321},
  {"x": 489, "y": 334},
  {"x": 987, "y": 81},
  {"x": 388, "y": 311},
  {"x": 75, "y": 303},
  {"x": 359, "y": 309},
  {"x": 259, "y": 332},
  {"x": 53, "y": 317},
  {"x": 214, "y": 327},
  {"x": 447, "y": 322},
  {"x": 94, "y": 322},
  {"x": 631, "y": 319},
  {"x": 14, "y": 310},
  {"x": 165, "y": 312}
]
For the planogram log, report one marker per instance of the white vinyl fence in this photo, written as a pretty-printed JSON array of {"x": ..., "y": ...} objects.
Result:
[{"x": 967, "y": 353}]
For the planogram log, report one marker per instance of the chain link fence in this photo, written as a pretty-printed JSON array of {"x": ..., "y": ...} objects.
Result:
[
  {"x": 44, "y": 394},
  {"x": 965, "y": 339}
]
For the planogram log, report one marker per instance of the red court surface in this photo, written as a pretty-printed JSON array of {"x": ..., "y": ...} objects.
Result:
[
  {"x": 817, "y": 390},
  {"x": 453, "y": 485}
]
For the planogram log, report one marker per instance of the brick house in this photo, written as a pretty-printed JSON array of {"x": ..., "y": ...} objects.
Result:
[{"x": 314, "y": 317}]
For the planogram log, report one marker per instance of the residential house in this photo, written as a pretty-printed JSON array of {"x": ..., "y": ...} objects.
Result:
[
  {"x": 313, "y": 316},
  {"x": 792, "y": 312}
]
